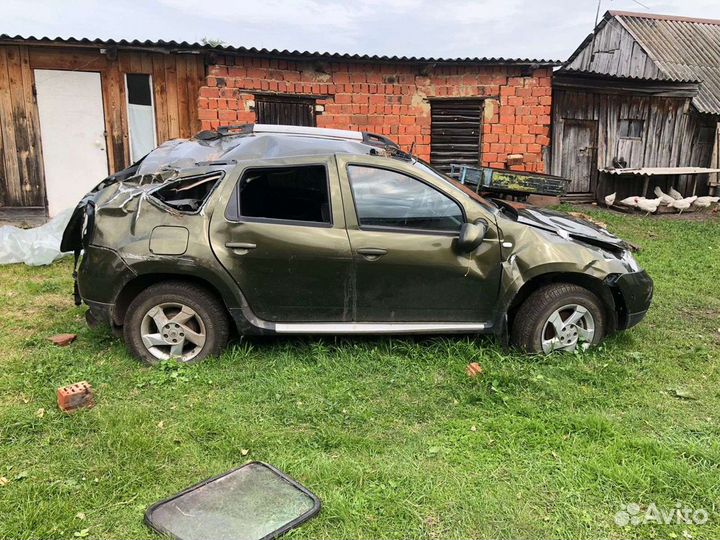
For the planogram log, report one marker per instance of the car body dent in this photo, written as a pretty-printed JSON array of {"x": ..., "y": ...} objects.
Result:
[
  {"x": 126, "y": 215},
  {"x": 514, "y": 252},
  {"x": 477, "y": 271},
  {"x": 536, "y": 255},
  {"x": 317, "y": 256}
]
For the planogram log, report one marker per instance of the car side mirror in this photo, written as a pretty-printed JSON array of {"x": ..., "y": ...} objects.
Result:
[{"x": 471, "y": 236}]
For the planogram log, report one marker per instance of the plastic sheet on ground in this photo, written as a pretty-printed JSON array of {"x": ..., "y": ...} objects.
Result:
[{"x": 34, "y": 247}]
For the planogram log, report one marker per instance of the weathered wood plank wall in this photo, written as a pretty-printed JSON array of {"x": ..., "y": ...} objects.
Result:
[
  {"x": 176, "y": 82},
  {"x": 21, "y": 173},
  {"x": 673, "y": 134}
]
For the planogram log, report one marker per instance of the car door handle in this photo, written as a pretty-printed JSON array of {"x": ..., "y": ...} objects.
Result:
[
  {"x": 240, "y": 245},
  {"x": 241, "y": 248},
  {"x": 372, "y": 254}
]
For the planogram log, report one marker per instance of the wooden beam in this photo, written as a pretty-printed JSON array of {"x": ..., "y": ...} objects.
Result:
[
  {"x": 13, "y": 189},
  {"x": 172, "y": 97},
  {"x": 67, "y": 59},
  {"x": 183, "y": 116},
  {"x": 28, "y": 216},
  {"x": 160, "y": 98},
  {"x": 33, "y": 119}
]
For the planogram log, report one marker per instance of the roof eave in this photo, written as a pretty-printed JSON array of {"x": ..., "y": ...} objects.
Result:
[
  {"x": 198, "y": 48},
  {"x": 661, "y": 17}
]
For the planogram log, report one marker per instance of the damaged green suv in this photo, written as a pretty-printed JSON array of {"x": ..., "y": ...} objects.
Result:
[{"x": 286, "y": 230}]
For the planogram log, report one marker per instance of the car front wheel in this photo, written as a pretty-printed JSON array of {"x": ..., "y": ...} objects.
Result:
[
  {"x": 559, "y": 317},
  {"x": 175, "y": 320}
]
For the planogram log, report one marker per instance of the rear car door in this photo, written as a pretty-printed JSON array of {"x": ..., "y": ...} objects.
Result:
[
  {"x": 279, "y": 230},
  {"x": 403, "y": 230}
]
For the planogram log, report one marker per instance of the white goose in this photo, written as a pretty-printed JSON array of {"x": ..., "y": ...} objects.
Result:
[
  {"x": 648, "y": 205},
  {"x": 682, "y": 204},
  {"x": 665, "y": 198},
  {"x": 630, "y": 201},
  {"x": 674, "y": 194},
  {"x": 705, "y": 202}
]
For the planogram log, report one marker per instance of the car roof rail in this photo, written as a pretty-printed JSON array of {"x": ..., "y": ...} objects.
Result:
[
  {"x": 308, "y": 131},
  {"x": 372, "y": 139},
  {"x": 378, "y": 140}
]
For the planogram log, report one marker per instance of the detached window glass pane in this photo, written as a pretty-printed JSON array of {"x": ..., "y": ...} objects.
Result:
[
  {"x": 285, "y": 193},
  {"x": 254, "y": 502},
  {"x": 141, "y": 115},
  {"x": 389, "y": 199}
]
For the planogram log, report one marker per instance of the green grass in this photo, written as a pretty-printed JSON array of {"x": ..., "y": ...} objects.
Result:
[{"x": 389, "y": 433}]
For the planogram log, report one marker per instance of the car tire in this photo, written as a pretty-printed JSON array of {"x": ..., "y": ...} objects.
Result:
[
  {"x": 560, "y": 316},
  {"x": 175, "y": 320}
]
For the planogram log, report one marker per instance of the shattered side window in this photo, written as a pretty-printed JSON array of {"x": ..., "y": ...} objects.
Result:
[
  {"x": 298, "y": 194},
  {"x": 188, "y": 194}
]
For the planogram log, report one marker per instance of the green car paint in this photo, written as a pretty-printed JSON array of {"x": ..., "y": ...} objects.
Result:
[{"x": 278, "y": 276}]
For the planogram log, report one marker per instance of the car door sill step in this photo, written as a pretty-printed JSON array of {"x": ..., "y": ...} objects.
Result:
[{"x": 380, "y": 328}]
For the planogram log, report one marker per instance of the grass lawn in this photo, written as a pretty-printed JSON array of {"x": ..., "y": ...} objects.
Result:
[{"x": 390, "y": 433}]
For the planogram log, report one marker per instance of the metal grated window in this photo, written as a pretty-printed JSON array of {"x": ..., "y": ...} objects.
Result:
[
  {"x": 285, "y": 110},
  {"x": 456, "y": 131}
]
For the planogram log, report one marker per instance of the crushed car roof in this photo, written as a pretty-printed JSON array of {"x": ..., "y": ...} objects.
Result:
[{"x": 259, "y": 141}]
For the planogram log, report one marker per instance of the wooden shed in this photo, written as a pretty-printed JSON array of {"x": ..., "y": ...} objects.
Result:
[
  {"x": 642, "y": 91},
  {"x": 73, "y": 111}
]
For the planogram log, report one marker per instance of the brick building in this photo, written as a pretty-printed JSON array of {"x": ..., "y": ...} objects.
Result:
[
  {"x": 475, "y": 110},
  {"x": 106, "y": 103}
]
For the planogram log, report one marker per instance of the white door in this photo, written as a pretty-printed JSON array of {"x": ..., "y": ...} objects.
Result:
[{"x": 72, "y": 128}]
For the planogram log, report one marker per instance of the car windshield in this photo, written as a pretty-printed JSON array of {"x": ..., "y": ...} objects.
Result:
[{"x": 426, "y": 167}]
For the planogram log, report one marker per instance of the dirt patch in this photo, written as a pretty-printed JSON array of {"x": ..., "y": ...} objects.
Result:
[{"x": 703, "y": 314}]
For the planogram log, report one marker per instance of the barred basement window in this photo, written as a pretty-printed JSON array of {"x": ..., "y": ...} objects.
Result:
[
  {"x": 285, "y": 110},
  {"x": 456, "y": 128}
]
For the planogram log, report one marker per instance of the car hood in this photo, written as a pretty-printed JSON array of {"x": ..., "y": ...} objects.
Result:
[{"x": 565, "y": 226}]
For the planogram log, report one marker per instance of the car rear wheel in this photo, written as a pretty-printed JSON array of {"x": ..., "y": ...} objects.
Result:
[
  {"x": 559, "y": 317},
  {"x": 175, "y": 320}
]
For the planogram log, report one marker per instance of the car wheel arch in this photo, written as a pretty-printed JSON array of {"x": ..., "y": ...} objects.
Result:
[
  {"x": 593, "y": 284},
  {"x": 141, "y": 282}
]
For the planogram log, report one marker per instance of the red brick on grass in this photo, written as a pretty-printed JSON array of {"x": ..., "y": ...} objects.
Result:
[
  {"x": 76, "y": 396},
  {"x": 63, "y": 340}
]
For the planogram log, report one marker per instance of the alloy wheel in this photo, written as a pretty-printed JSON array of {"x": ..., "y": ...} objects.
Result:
[
  {"x": 173, "y": 330},
  {"x": 568, "y": 327}
]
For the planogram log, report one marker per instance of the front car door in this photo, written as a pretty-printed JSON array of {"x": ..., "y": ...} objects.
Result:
[
  {"x": 403, "y": 227},
  {"x": 279, "y": 230}
]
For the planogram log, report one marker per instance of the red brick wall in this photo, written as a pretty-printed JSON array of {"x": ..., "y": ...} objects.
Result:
[{"x": 392, "y": 100}]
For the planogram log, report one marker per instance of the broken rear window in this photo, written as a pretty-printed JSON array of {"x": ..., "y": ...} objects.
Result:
[
  {"x": 294, "y": 194},
  {"x": 188, "y": 194}
]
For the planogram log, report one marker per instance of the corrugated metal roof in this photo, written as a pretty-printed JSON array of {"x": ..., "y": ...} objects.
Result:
[
  {"x": 683, "y": 49},
  {"x": 573, "y": 71},
  {"x": 658, "y": 171},
  {"x": 175, "y": 46}
]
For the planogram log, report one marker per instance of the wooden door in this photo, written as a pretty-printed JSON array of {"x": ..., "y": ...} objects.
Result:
[
  {"x": 282, "y": 110},
  {"x": 456, "y": 127},
  {"x": 579, "y": 155}
]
